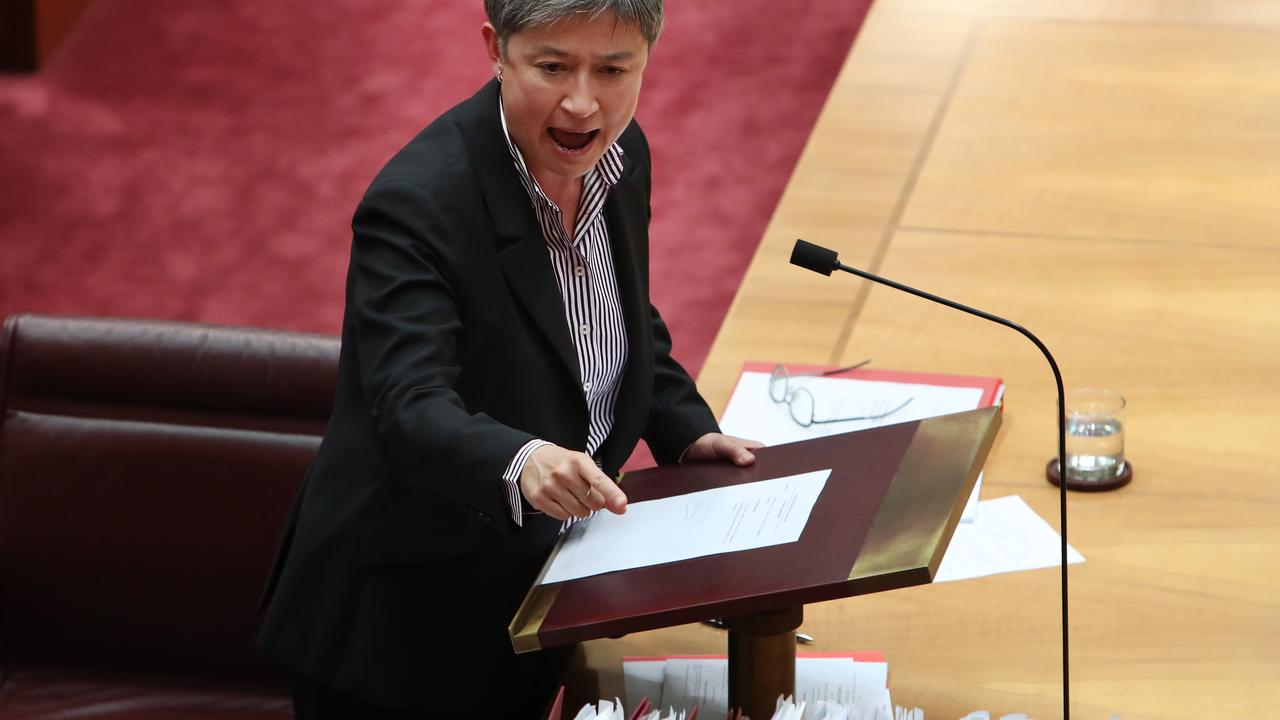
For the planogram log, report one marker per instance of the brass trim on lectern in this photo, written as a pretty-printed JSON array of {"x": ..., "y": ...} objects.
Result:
[
  {"x": 906, "y": 534},
  {"x": 527, "y": 622}
]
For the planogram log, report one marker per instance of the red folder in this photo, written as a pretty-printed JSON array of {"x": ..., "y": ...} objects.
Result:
[
  {"x": 992, "y": 387},
  {"x": 557, "y": 707}
]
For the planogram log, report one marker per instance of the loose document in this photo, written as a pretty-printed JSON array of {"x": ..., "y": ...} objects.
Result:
[
  {"x": 1008, "y": 536},
  {"x": 697, "y": 524}
]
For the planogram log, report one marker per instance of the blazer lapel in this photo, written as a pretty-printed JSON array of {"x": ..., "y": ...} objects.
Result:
[
  {"x": 527, "y": 267},
  {"x": 524, "y": 259}
]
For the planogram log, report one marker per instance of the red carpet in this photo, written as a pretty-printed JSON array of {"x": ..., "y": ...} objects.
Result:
[{"x": 200, "y": 161}]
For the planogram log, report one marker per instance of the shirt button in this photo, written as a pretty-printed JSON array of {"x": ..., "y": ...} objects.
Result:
[
  {"x": 586, "y": 386},
  {"x": 585, "y": 328},
  {"x": 579, "y": 271}
]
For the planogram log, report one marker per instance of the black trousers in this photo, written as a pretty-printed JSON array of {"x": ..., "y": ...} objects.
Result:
[{"x": 315, "y": 701}]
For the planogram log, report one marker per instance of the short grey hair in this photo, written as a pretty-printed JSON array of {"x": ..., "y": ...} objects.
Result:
[{"x": 511, "y": 16}]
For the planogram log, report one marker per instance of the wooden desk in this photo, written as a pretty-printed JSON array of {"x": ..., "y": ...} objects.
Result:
[{"x": 1106, "y": 172}]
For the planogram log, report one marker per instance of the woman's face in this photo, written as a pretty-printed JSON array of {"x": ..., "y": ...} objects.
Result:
[{"x": 569, "y": 89}]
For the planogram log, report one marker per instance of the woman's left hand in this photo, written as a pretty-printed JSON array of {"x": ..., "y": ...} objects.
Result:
[{"x": 717, "y": 446}]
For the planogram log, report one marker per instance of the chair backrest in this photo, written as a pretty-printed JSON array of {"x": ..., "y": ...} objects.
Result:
[{"x": 146, "y": 469}]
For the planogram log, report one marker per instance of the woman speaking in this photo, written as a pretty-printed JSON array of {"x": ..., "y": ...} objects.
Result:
[{"x": 500, "y": 360}]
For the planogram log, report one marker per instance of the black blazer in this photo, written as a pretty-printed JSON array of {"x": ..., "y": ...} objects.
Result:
[{"x": 400, "y": 566}]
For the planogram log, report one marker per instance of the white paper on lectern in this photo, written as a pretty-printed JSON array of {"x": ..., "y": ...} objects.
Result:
[
  {"x": 708, "y": 522},
  {"x": 1008, "y": 536}
]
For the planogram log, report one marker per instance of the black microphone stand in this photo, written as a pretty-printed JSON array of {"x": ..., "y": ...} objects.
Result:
[{"x": 822, "y": 260}]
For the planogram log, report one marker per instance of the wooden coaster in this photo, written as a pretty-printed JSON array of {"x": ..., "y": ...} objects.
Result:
[{"x": 1051, "y": 471}]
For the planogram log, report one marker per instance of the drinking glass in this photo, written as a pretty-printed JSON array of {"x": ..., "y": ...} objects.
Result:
[{"x": 1095, "y": 437}]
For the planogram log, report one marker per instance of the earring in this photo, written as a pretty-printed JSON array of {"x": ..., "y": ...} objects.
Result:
[{"x": 498, "y": 72}]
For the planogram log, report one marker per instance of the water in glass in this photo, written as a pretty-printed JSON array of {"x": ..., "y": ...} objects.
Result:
[{"x": 1095, "y": 448}]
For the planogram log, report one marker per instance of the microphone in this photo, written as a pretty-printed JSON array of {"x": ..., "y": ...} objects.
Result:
[
  {"x": 825, "y": 261},
  {"x": 814, "y": 257}
]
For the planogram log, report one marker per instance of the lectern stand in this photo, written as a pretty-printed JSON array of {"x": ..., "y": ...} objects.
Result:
[
  {"x": 883, "y": 521},
  {"x": 762, "y": 658}
]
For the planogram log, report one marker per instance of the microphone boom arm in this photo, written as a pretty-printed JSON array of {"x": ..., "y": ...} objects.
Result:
[{"x": 816, "y": 258}]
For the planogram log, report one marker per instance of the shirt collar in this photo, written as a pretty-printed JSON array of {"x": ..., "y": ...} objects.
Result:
[{"x": 608, "y": 169}]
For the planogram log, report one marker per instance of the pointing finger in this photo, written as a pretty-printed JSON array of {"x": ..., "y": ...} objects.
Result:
[{"x": 612, "y": 496}]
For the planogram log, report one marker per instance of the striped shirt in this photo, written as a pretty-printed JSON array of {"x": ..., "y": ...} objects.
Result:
[{"x": 584, "y": 272}]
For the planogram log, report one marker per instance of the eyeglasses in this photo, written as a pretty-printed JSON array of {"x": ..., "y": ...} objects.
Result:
[{"x": 799, "y": 400}]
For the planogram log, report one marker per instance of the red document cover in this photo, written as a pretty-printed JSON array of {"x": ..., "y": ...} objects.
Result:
[
  {"x": 557, "y": 707},
  {"x": 992, "y": 387}
]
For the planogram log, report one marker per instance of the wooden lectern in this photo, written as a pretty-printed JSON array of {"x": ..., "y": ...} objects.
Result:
[{"x": 883, "y": 521}]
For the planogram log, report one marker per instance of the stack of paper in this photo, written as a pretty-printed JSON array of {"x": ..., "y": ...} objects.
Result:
[
  {"x": 606, "y": 710},
  {"x": 854, "y": 680},
  {"x": 791, "y": 709}
]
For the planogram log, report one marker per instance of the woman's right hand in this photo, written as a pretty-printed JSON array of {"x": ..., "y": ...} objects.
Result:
[{"x": 564, "y": 483}]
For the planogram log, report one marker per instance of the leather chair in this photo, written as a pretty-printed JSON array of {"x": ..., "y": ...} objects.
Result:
[{"x": 146, "y": 469}]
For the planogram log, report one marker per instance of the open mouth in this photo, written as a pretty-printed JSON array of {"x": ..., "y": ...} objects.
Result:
[{"x": 572, "y": 141}]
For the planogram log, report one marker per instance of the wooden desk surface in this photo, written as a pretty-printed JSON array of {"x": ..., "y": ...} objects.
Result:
[{"x": 1107, "y": 173}]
